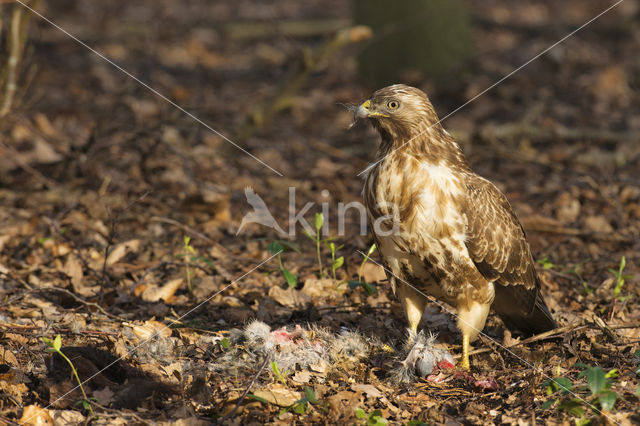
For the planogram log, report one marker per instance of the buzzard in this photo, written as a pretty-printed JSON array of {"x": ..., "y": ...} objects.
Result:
[{"x": 445, "y": 231}]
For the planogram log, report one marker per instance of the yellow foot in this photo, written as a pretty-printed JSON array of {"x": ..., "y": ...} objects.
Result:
[{"x": 464, "y": 364}]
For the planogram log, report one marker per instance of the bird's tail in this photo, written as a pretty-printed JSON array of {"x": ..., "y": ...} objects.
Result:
[{"x": 538, "y": 321}]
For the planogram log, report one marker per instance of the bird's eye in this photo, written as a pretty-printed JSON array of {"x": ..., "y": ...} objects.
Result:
[{"x": 393, "y": 104}]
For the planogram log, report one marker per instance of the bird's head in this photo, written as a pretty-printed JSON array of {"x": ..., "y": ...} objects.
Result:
[{"x": 399, "y": 112}]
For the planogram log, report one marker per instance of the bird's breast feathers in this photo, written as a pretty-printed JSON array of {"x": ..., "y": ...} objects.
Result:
[{"x": 427, "y": 202}]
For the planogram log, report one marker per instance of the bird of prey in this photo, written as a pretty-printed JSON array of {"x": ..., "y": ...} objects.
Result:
[{"x": 446, "y": 231}]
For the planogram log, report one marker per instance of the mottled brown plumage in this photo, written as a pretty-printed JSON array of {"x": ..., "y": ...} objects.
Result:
[{"x": 442, "y": 228}]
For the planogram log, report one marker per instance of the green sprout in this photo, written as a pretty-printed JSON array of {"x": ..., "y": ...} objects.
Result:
[
  {"x": 368, "y": 287},
  {"x": 546, "y": 263},
  {"x": 620, "y": 279},
  {"x": 318, "y": 223},
  {"x": 372, "y": 419},
  {"x": 277, "y": 247},
  {"x": 56, "y": 346},
  {"x": 276, "y": 371},
  {"x": 336, "y": 263},
  {"x": 190, "y": 257}
]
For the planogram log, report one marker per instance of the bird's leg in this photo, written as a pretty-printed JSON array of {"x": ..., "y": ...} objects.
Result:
[
  {"x": 414, "y": 304},
  {"x": 471, "y": 319},
  {"x": 465, "y": 353}
]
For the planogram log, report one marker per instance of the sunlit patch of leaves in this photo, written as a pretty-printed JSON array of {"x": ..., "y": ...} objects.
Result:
[{"x": 565, "y": 398}]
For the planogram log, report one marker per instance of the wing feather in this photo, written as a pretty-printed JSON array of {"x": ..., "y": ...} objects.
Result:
[{"x": 496, "y": 243}]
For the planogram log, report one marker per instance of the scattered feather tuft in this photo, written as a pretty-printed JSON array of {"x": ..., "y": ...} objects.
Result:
[{"x": 423, "y": 358}]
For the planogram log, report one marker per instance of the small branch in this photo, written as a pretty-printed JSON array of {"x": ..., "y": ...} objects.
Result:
[
  {"x": 15, "y": 157},
  {"x": 80, "y": 300},
  {"x": 289, "y": 28},
  {"x": 15, "y": 49},
  {"x": 189, "y": 230},
  {"x": 525, "y": 130},
  {"x": 310, "y": 61},
  {"x": 246, "y": 391},
  {"x": 556, "y": 332}
]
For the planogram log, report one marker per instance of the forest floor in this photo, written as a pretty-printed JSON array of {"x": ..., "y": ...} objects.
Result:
[{"x": 101, "y": 181}]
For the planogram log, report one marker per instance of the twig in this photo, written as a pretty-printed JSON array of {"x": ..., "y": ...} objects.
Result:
[
  {"x": 189, "y": 230},
  {"x": 556, "y": 332},
  {"x": 291, "y": 28},
  {"x": 16, "y": 158},
  {"x": 15, "y": 48},
  {"x": 311, "y": 60},
  {"x": 81, "y": 300},
  {"x": 246, "y": 391},
  {"x": 112, "y": 236},
  {"x": 526, "y": 130}
]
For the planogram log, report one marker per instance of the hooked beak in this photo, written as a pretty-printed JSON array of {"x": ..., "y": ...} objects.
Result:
[{"x": 365, "y": 111}]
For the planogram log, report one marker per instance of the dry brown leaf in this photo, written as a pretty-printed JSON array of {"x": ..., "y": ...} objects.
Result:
[
  {"x": 35, "y": 416},
  {"x": 104, "y": 396},
  {"x": 68, "y": 417},
  {"x": 373, "y": 273},
  {"x": 121, "y": 250},
  {"x": 149, "y": 328},
  {"x": 73, "y": 268},
  {"x": 369, "y": 390},
  {"x": 153, "y": 293},
  {"x": 279, "y": 395},
  {"x": 289, "y": 297}
]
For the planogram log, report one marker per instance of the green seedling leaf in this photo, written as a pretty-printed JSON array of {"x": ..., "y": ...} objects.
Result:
[
  {"x": 564, "y": 384},
  {"x": 548, "y": 403},
  {"x": 290, "y": 246},
  {"x": 360, "y": 413},
  {"x": 607, "y": 400},
  {"x": 376, "y": 419},
  {"x": 371, "y": 250},
  {"x": 206, "y": 261},
  {"x": 57, "y": 343},
  {"x": 596, "y": 379},
  {"x": 257, "y": 398},
  {"x": 43, "y": 240},
  {"x": 338, "y": 262},
  {"x": 612, "y": 374},
  {"x": 310, "y": 394},
  {"x": 572, "y": 406},
  {"x": 318, "y": 221},
  {"x": 291, "y": 278},
  {"x": 225, "y": 343},
  {"x": 275, "y": 247},
  {"x": 300, "y": 408},
  {"x": 369, "y": 288}
]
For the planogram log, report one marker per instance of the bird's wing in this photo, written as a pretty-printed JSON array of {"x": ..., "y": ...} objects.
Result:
[{"x": 497, "y": 245}]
